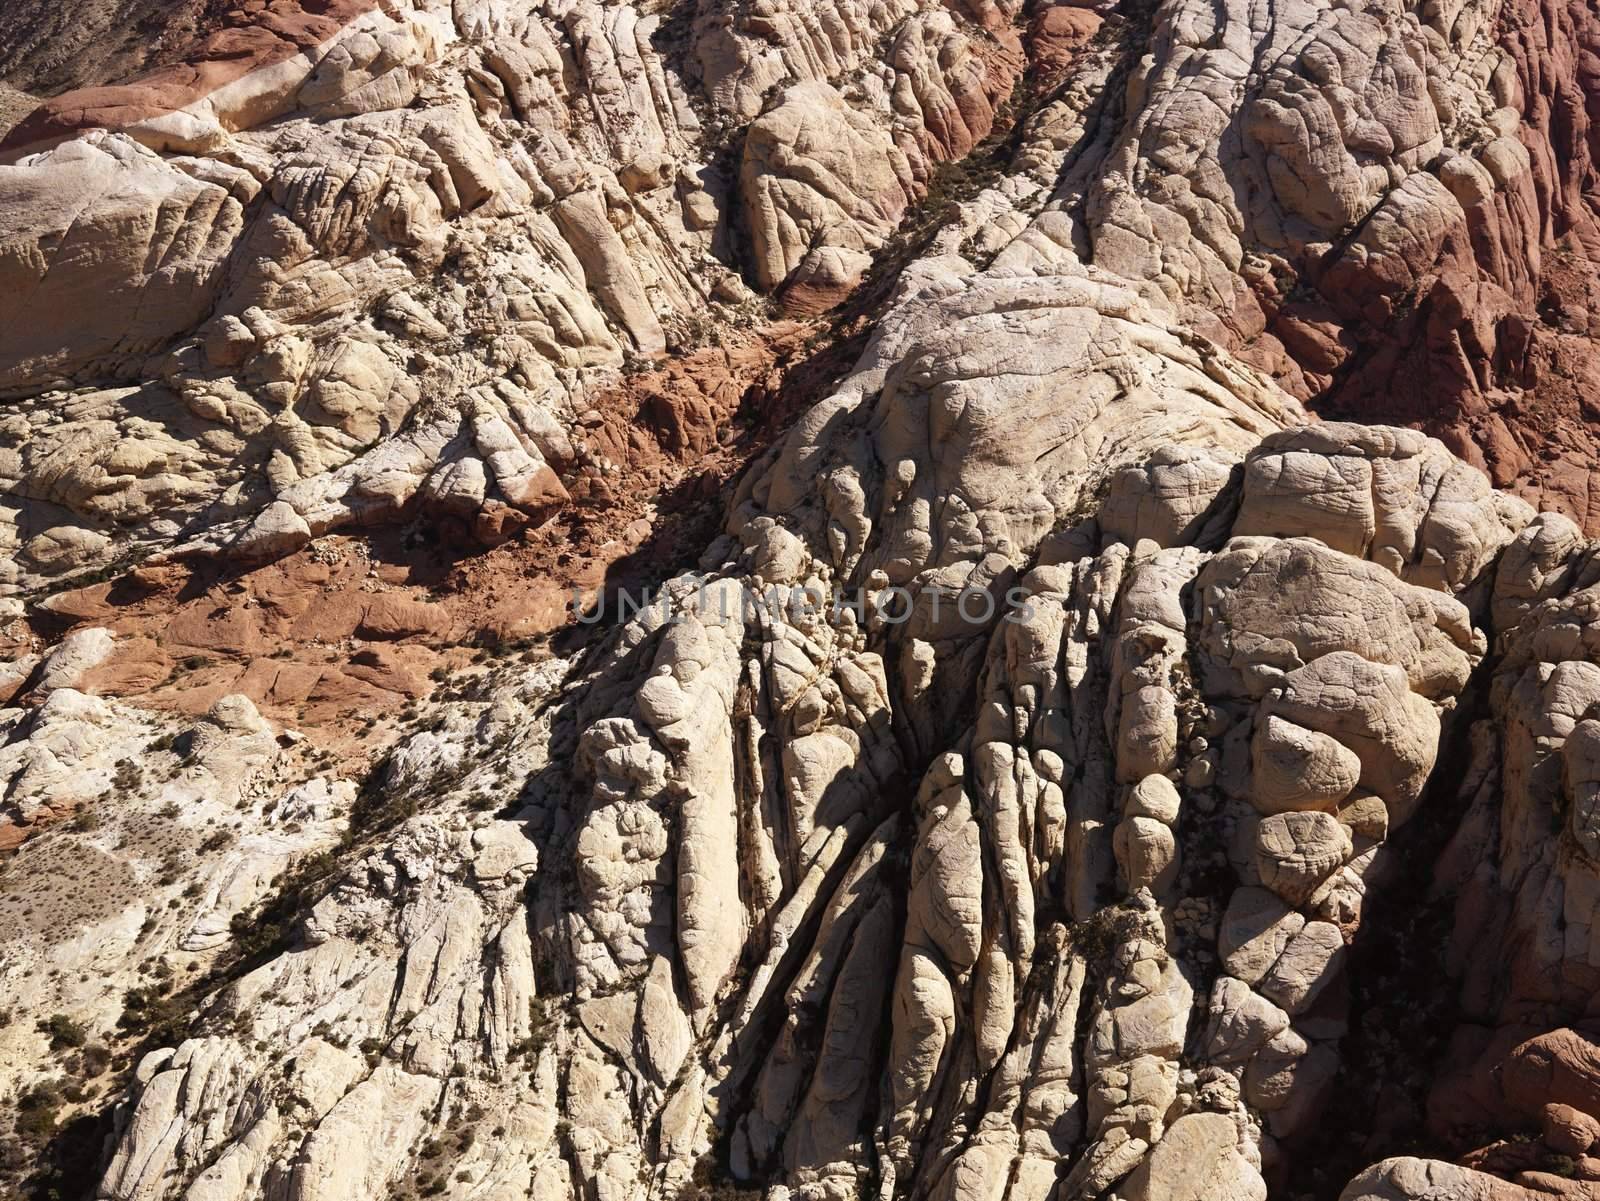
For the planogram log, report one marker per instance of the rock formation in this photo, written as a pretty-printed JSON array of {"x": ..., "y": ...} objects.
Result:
[{"x": 1116, "y": 709}]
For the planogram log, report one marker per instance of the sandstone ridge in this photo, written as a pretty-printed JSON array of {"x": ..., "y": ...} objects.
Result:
[{"x": 1069, "y": 754}]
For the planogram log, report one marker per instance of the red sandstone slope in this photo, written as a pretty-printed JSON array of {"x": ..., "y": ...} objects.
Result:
[
  {"x": 1490, "y": 336},
  {"x": 224, "y": 47}
]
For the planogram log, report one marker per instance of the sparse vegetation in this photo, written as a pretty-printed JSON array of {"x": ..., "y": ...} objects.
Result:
[
  {"x": 157, "y": 1016},
  {"x": 64, "y": 1032},
  {"x": 94, "y": 1061},
  {"x": 38, "y": 1110},
  {"x": 710, "y": 1184},
  {"x": 1099, "y": 935},
  {"x": 540, "y": 1031},
  {"x": 215, "y": 841},
  {"x": 128, "y": 778}
]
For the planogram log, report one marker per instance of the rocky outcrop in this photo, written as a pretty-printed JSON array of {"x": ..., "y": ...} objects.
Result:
[
  {"x": 1144, "y": 715},
  {"x": 826, "y": 180},
  {"x": 281, "y": 211},
  {"x": 1387, "y": 209},
  {"x": 1003, "y": 796}
]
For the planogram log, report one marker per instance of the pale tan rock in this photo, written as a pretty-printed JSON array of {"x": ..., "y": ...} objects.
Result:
[
  {"x": 276, "y": 530},
  {"x": 1166, "y": 499},
  {"x": 444, "y": 232},
  {"x": 1309, "y": 962},
  {"x": 1198, "y": 1158},
  {"x": 196, "y": 1089},
  {"x": 503, "y": 854},
  {"x": 1295, "y": 852},
  {"x": 1290, "y": 1079},
  {"x": 1582, "y": 757},
  {"x": 72, "y": 659},
  {"x": 817, "y": 172},
  {"x": 1370, "y": 710},
  {"x": 1154, "y": 797},
  {"x": 1240, "y": 1023},
  {"x": 1148, "y": 853},
  {"x": 1410, "y": 1179},
  {"x": 1255, "y": 930},
  {"x": 1294, "y": 768},
  {"x": 1394, "y": 497},
  {"x": 946, "y": 905},
  {"x": 82, "y": 263},
  {"x": 1276, "y": 614}
]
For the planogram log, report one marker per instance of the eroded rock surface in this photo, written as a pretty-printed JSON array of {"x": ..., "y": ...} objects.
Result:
[{"x": 999, "y": 798}]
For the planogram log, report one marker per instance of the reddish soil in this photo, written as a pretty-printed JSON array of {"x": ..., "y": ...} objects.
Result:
[
  {"x": 1055, "y": 35},
  {"x": 253, "y": 35},
  {"x": 1496, "y": 350},
  {"x": 1537, "y": 435},
  {"x": 349, "y": 630}
]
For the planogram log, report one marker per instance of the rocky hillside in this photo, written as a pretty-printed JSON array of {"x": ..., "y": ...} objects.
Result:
[{"x": 925, "y": 600}]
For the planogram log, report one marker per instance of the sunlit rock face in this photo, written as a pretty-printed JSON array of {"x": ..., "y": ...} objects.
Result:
[{"x": 1065, "y": 752}]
